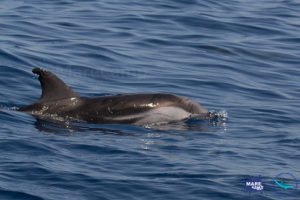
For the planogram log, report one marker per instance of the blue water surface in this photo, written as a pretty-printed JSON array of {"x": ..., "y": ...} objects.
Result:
[{"x": 240, "y": 57}]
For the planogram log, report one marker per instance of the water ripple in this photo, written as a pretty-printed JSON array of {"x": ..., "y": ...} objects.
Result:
[{"x": 236, "y": 57}]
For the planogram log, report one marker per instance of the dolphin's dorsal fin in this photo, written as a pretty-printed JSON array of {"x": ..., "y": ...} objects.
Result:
[{"x": 52, "y": 87}]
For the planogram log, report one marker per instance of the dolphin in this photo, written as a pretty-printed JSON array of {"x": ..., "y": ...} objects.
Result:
[
  {"x": 58, "y": 99},
  {"x": 282, "y": 185}
]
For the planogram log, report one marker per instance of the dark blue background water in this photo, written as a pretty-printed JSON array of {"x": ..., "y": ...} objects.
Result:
[{"x": 238, "y": 56}]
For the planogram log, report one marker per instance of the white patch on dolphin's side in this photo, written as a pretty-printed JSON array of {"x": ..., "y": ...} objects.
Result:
[{"x": 161, "y": 114}]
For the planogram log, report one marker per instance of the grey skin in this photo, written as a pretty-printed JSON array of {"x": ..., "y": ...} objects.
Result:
[{"x": 137, "y": 109}]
